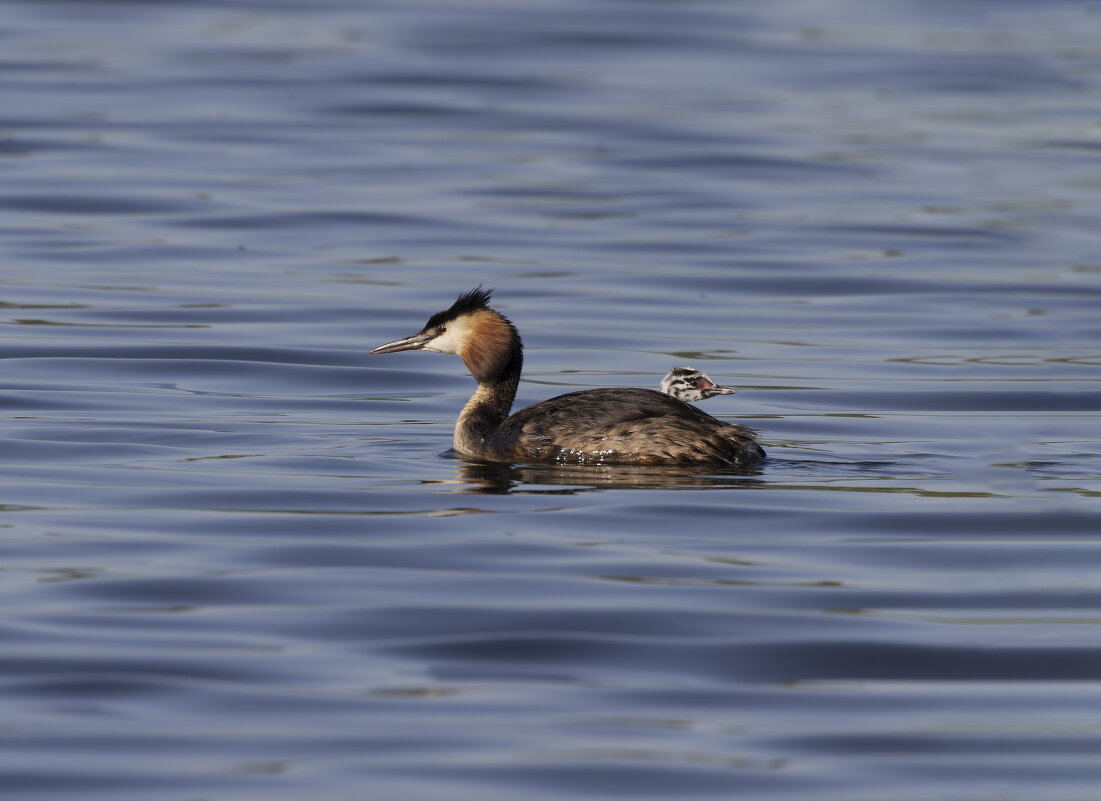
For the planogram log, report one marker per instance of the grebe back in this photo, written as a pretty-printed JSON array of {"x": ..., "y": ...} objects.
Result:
[{"x": 612, "y": 426}]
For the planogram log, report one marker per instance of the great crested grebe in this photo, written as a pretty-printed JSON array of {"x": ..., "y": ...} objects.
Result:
[
  {"x": 689, "y": 384},
  {"x": 611, "y": 426}
]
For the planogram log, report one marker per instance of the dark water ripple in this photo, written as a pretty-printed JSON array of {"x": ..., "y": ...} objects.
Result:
[{"x": 238, "y": 560}]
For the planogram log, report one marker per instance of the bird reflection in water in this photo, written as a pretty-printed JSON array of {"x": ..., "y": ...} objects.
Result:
[{"x": 498, "y": 478}]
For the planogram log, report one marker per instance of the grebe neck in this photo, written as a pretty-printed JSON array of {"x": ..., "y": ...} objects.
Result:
[{"x": 497, "y": 370}]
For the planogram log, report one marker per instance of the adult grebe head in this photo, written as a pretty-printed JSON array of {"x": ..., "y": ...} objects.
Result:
[
  {"x": 483, "y": 338},
  {"x": 689, "y": 384}
]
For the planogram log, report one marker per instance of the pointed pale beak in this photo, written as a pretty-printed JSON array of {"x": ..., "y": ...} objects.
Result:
[
  {"x": 415, "y": 342},
  {"x": 715, "y": 389},
  {"x": 710, "y": 390}
]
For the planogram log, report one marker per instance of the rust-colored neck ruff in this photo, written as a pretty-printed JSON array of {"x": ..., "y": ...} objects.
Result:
[{"x": 489, "y": 344}]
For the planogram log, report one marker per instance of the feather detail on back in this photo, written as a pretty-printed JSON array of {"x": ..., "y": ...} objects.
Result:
[{"x": 630, "y": 425}]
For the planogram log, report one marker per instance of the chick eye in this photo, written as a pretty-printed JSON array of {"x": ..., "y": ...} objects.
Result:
[{"x": 442, "y": 329}]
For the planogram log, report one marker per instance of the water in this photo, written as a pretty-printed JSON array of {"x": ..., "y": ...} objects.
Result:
[{"x": 236, "y": 565}]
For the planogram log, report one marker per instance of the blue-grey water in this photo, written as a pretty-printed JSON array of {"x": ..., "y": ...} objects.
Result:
[{"x": 236, "y": 564}]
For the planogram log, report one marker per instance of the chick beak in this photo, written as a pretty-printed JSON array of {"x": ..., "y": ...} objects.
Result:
[
  {"x": 415, "y": 342},
  {"x": 710, "y": 390}
]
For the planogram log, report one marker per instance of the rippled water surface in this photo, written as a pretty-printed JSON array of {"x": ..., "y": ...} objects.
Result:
[{"x": 237, "y": 561}]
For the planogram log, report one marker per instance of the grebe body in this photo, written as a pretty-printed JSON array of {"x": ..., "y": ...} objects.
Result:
[
  {"x": 611, "y": 426},
  {"x": 691, "y": 385}
]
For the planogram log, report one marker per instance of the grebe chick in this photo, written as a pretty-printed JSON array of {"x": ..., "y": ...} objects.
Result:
[
  {"x": 612, "y": 426},
  {"x": 689, "y": 384}
]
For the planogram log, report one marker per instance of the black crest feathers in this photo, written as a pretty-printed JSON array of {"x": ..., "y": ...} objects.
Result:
[{"x": 468, "y": 302}]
